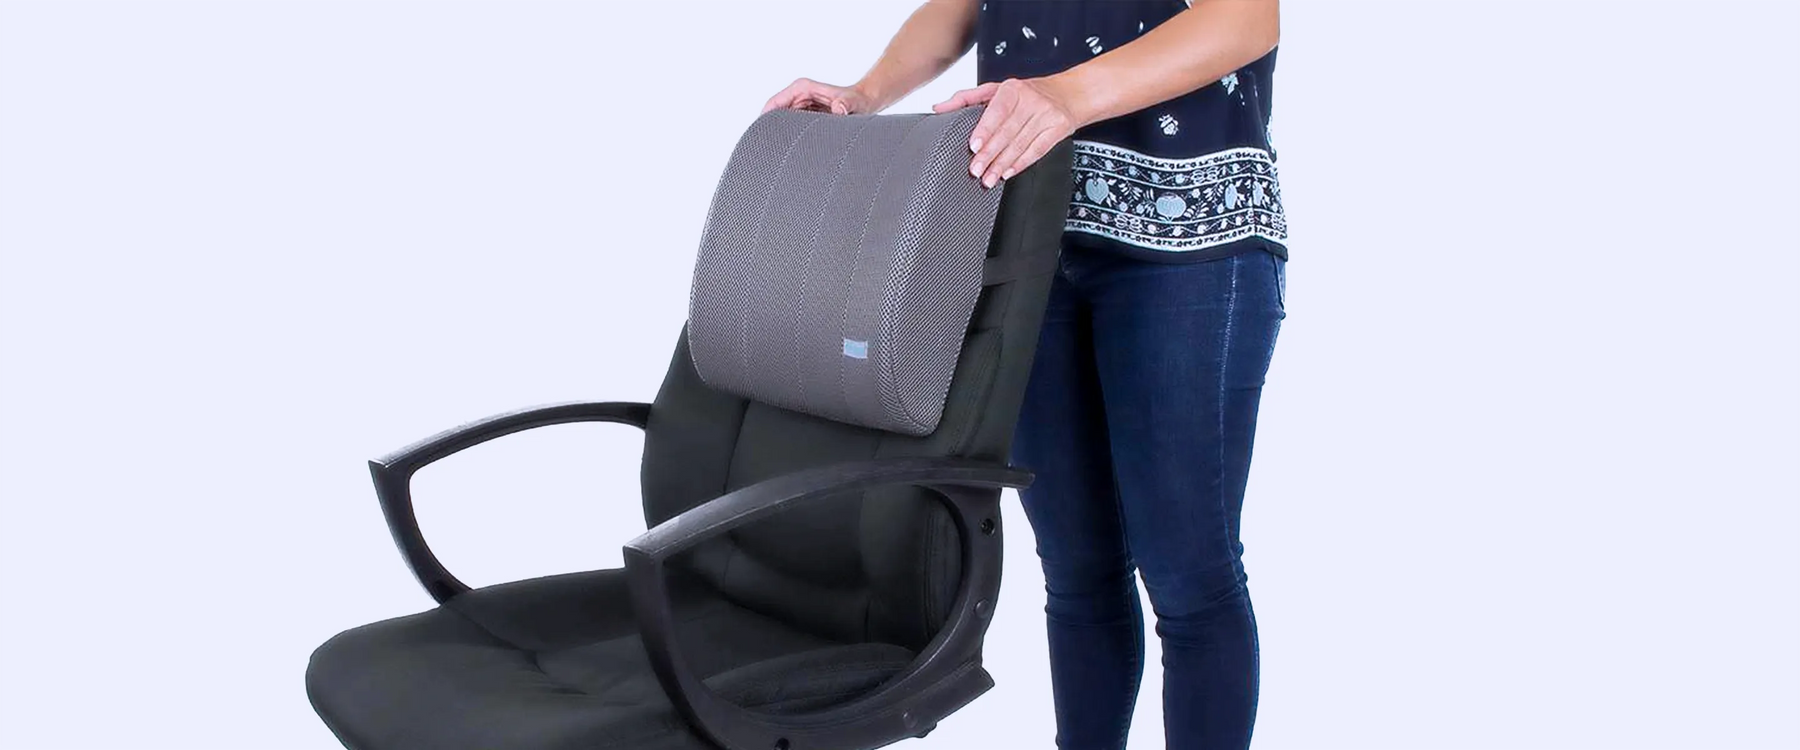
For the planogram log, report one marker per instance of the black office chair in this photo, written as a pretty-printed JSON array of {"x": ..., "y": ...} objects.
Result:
[{"x": 821, "y": 478}]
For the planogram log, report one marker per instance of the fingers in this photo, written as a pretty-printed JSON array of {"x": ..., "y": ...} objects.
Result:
[
  {"x": 787, "y": 97},
  {"x": 1000, "y": 128},
  {"x": 1008, "y": 141},
  {"x": 1048, "y": 125},
  {"x": 1000, "y": 106},
  {"x": 1021, "y": 124},
  {"x": 806, "y": 93},
  {"x": 967, "y": 98},
  {"x": 1008, "y": 145},
  {"x": 1040, "y": 145}
]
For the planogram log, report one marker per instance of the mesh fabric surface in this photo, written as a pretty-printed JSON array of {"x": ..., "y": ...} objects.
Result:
[{"x": 841, "y": 260}]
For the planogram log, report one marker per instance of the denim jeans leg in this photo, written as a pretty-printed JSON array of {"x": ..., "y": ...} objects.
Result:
[
  {"x": 1181, "y": 351},
  {"x": 1094, "y": 621}
]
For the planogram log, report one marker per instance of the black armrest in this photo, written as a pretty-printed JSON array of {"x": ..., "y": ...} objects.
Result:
[
  {"x": 945, "y": 675},
  {"x": 393, "y": 473}
]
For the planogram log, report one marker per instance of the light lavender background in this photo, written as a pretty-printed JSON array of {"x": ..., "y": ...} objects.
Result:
[{"x": 1526, "y": 473}]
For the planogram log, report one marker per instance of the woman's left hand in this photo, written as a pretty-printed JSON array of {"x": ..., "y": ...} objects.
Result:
[{"x": 1025, "y": 118}]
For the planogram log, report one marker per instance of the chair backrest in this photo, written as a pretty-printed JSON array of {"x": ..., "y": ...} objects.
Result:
[{"x": 882, "y": 211}]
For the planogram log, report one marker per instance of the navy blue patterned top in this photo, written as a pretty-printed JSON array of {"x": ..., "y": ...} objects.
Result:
[{"x": 1189, "y": 179}]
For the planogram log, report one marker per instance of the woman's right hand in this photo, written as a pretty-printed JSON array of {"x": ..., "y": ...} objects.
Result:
[{"x": 808, "y": 94}]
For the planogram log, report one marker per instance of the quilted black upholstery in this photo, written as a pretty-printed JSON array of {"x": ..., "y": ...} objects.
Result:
[{"x": 556, "y": 664}]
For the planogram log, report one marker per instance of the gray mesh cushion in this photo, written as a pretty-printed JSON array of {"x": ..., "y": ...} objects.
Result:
[{"x": 841, "y": 260}]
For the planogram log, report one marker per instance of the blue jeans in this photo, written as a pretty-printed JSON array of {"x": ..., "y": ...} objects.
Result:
[{"x": 1138, "y": 422}]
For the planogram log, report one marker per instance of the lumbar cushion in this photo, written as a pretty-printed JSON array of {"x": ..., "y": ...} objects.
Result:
[{"x": 841, "y": 260}]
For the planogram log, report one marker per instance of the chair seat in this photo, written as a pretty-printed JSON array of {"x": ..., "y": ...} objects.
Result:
[{"x": 556, "y": 664}]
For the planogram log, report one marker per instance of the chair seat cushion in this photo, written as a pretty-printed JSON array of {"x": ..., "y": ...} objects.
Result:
[{"x": 556, "y": 664}]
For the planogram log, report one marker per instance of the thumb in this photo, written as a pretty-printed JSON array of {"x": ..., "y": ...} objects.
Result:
[{"x": 967, "y": 98}]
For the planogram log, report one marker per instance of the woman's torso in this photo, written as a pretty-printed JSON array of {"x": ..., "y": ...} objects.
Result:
[{"x": 1189, "y": 179}]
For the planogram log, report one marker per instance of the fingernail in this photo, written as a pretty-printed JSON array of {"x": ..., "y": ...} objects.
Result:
[
  {"x": 988, "y": 181},
  {"x": 974, "y": 145},
  {"x": 1007, "y": 175}
]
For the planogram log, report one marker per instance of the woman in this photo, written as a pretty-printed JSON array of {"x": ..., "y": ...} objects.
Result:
[{"x": 1141, "y": 411}]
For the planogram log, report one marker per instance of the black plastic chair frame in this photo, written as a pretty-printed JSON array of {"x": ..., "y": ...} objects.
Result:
[{"x": 945, "y": 676}]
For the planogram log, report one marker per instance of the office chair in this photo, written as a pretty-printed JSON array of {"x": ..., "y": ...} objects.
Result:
[{"x": 821, "y": 478}]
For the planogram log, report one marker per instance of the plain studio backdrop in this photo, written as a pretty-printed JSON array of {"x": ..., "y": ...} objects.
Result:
[{"x": 1526, "y": 470}]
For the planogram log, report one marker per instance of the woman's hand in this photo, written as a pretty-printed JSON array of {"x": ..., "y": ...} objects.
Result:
[
  {"x": 1025, "y": 118},
  {"x": 809, "y": 94}
]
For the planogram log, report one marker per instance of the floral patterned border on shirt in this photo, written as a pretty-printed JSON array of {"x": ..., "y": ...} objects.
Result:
[{"x": 1175, "y": 204}]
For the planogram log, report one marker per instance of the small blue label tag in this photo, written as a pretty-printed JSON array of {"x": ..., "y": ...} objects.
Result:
[{"x": 857, "y": 349}]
